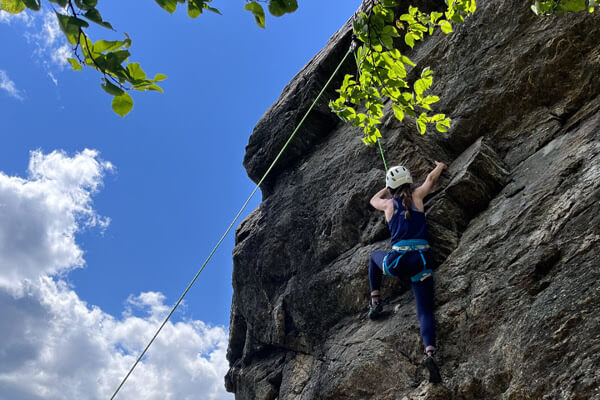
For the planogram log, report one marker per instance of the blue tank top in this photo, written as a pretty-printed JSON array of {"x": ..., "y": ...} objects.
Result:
[{"x": 403, "y": 229}]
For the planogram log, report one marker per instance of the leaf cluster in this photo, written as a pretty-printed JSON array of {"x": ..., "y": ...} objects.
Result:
[
  {"x": 110, "y": 57},
  {"x": 194, "y": 7},
  {"x": 382, "y": 68},
  {"x": 277, "y": 8},
  {"x": 560, "y": 7}
]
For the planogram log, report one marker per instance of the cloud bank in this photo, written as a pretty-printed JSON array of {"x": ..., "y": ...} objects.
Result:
[
  {"x": 40, "y": 215},
  {"x": 56, "y": 346}
]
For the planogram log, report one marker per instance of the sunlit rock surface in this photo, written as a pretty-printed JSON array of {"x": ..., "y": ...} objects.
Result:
[{"x": 515, "y": 222}]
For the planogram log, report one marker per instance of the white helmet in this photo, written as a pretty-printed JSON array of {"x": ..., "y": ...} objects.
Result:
[{"x": 397, "y": 176}]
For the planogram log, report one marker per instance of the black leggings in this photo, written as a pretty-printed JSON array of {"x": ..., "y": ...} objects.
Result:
[{"x": 409, "y": 265}]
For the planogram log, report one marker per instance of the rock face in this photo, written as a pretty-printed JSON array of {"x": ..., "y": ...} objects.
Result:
[{"x": 515, "y": 223}]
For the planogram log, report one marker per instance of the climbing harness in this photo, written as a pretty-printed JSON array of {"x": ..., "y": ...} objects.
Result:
[
  {"x": 399, "y": 249},
  {"x": 233, "y": 222}
]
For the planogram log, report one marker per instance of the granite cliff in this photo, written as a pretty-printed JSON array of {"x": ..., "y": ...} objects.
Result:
[{"x": 515, "y": 222}]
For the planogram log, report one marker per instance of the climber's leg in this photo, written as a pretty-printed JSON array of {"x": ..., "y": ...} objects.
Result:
[
  {"x": 423, "y": 291},
  {"x": 375, "y": 276},
  {"x": 376, "y": 270}
]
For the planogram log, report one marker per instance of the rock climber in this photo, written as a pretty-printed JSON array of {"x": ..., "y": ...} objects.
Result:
[{"x": 411, "y": 256}]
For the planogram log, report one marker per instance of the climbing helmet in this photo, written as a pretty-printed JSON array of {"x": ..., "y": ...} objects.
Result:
[{"x": 397, "y": 176}]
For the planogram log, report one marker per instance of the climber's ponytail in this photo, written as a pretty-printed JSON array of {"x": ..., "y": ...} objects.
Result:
[{"x": 404, "y": 192}]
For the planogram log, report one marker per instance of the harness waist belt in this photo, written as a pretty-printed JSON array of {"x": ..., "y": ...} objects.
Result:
[
  {"x": 404, "y": 246},
  {"x": 411, "y": 245}
]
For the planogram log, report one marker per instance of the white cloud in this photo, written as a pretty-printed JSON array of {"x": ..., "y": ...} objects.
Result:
[
  {"x": 40, "y": 215},
  {"x": 50, "y": 29},
  {"x": 22, "y": 17},
  {"x": 9, "y": 86},
  {"x": 53, "y": 78},
  {"x": 57, "y": 347},
  {"x": 50, "y": 43},
  {"x": 60, "y": 54},
  {"x": 54, "y": 345},
  {"x": 43, "y": 32}
]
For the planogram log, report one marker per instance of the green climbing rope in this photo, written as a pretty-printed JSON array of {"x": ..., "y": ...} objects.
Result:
[
  {"x": 382, "y": 157},
  {"x": 232, "y": 224}
]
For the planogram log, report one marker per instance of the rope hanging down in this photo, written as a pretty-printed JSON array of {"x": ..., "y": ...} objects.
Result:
[
  {"x": 382, "y": 157},
  {"x": 232, "y": 223}
]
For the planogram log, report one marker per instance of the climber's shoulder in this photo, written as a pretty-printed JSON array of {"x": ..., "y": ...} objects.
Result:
[{"x": 382, "y": 204}]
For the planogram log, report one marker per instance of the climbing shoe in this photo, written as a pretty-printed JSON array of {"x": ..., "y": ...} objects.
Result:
[
  {"x": 433, "y": 368},
  {"x": 375, "y": 310}
]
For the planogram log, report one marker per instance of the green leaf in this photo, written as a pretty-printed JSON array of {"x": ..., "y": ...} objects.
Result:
[
  {"x": 33, "y": 4},
  {"x": 571, "y": 6},
  {"x": 408, "y": 97},
  {"x": 420, "y": 87},
  {"x": 12, "y": 6},
  {"x": 62, "y": 3},
  {"x": 437, "y": 117},
  {"x": 122, "y": 104},
  {"x": 107, "y": 45},
  {"x": 159, "y": 77},
  {"x": 168, "y": 5},
  {"x": 419, "y": 28},
  {"x": 435, "y": 16},
  {"x": 212, "y": 9},
  {"x": 398, "y": 113},
  {"x": 387, "y": 42},
  {"x": 115, "y": 58},
  {"x": 431, "y": 99},
  {"x": 111, "y": 89},
  {"x": 193, "y": 9},
  {"x": 422, "y": 123},
  {"x": 135, "y": 71},
  {"x": 279, "y": 7},
  {"x": 82, "y": 5},
  {"x": 108, "y": 25},
  {"x": 70, "y": 26},
  {"x": 377, "y": 21},
  {"x": 443, "y": 125},
  {"x": 408, "y": 61},
  {"x": 445, "y": 26},
  {"x": 407, "y": 18},
  {"x": 75, "y": 64},
  {"x": 408, "y": 38},
  {"x": 389, "y": 30},
  {"x": 155, "y": 87},
  {"x": 377, "y": 47},
  {"x": 258, "y": 12},
  {"x": 93, "y": 15}
]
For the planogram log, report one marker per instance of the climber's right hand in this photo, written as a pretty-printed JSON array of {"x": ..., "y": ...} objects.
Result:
[{"x": 440, "y": 164}]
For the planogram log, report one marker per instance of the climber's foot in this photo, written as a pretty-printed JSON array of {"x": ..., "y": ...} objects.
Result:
[
  {"x": 375, "y": 307},
  {"x": 433, "y": 368}
]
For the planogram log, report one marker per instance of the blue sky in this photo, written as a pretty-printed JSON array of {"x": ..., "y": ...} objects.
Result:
[{"x": 175, "y": 178}]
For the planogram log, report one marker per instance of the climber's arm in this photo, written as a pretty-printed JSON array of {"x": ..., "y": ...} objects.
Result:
[
  {"x": 430, "y": 181},
  {"x": 379, "y": 202}
]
